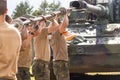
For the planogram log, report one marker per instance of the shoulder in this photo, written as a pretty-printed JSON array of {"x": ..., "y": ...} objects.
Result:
[
  {"x": 45, "y": 30},
  {"x": 14, "y": 29},
  {"x": 57, "y": 33}
]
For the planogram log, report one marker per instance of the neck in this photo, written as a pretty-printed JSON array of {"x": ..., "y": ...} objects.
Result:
[{"x": 2, "y": 19}]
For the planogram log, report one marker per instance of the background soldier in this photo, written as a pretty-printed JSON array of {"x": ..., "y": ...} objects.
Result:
[
  {"x": 10, "y": 43},
  {"x": 40, "y": 66},
  {"x": 8, "y": 19},
  {"x": 60, "y": 52},
  {"x": 25, "y": 57}
]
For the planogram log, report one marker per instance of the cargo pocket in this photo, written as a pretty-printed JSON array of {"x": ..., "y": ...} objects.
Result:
[
  {"x": 38, "y": 69},
  {"x": 27, "y": 75},
  {"x": 56, "y": 68},
  {"x": 64, "y": 70}
]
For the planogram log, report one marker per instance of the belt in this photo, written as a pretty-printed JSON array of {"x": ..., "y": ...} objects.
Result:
[
  {"x": 42, "y": 61},
  {"x": 59, "y": 61}
]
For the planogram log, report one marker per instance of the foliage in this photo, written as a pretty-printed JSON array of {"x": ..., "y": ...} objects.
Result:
[
  {"x": 22, "y": 9},
  {"x": 43, "y": 7},
  {"x": 54, "y": 6},
  {"x": 46, "y": 7},
  {"x": 37, "y": 13}
]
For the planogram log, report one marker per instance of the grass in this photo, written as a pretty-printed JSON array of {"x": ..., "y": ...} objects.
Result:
[
  {"x": 32, "y": 78},
  {"x": 104, "y": 73}
]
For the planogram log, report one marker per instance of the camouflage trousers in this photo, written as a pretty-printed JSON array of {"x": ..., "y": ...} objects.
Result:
[
  {"x": 23, "y": 73},
  {"x": 40, "y": 70},
  {"x": 6, "y": 79},
  {"x": 61, "y": 70}
]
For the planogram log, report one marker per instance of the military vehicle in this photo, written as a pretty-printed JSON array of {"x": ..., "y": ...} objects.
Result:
[{"x": 96, "y": 48}]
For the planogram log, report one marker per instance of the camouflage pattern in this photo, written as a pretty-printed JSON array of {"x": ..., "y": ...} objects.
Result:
[
  {"x": 23, "y": 73},
  {"x": 61, "y": 70},
  {"x": 5, "y": 79},
  {"x": 40, "y": 70},
  {"x": 99, "y": 50}
]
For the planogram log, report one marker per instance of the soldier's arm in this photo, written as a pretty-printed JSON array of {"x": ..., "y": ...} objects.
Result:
[
  {"x": 53, "y": 26},
  {"x": 64, "y": 23},
  {"x": 26, "y": 38},
  {"x": 26, "y": 42},
  {"x": 40, "y": 25}
]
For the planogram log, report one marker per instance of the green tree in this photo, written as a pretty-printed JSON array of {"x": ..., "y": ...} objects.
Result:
[
  {"x": 54, "y": 6},
  {"x": 46, "y": 7},
  {"x": 43, "y": 7},
  {"x": 37, "y": 13},
  {"x": 22, "y": 9}
]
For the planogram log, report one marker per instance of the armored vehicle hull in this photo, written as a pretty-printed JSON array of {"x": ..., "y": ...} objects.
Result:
[
  {"x": 97, "y": 47},
  {"x": 98, "y": 51}
]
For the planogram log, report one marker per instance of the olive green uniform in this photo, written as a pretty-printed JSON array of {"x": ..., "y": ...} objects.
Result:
[
  {"x": 60, "y": 56},
  {"x": 40, "y": 66}
]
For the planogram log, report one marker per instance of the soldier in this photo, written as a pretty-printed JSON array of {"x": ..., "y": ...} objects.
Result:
[
  {"x": 10, "y": 43},
  {"x": 60, "y": 52},
  {"x": 25, "y": 57},
  {"x": 41, "y": 61}
]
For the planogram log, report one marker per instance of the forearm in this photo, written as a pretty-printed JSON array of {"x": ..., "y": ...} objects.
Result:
[
  {"x": 53, "y": 27},
  {"x": 26, "y": 42},
  {"x": 64, "y": 24}
]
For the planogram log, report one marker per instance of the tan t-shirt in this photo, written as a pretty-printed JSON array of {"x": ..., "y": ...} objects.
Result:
[
  {"x": 41, "y": 46},
  {"x": 25, "y": 58},
  {"x": 59, "y": 46},
  {"x": 10, "y": 43}
]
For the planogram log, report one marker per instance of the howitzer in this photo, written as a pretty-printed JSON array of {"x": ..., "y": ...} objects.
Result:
[
  {"x": 62, "y": 11},
  {"x": 99, "y": 51},
  {"x": 109, "y": 11},
  {"x": 99, "y": 10}
]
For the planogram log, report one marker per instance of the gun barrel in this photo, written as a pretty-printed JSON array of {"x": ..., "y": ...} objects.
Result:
[
  {"x": 62, "y": 11},
  {"x": 98, "y": 10}
]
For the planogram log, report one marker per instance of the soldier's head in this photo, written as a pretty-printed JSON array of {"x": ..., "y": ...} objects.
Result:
[{"x": 3, "y": 7}]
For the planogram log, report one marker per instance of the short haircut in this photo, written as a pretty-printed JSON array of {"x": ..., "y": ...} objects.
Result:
[{"x": 3, "y": 6}]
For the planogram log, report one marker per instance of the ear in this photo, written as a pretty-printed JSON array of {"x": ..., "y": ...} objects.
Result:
[{"x": 6, "y": 11}]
